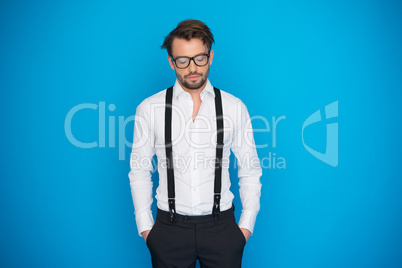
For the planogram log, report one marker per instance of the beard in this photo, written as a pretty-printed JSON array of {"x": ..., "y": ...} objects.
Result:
[{"x": 193, "y": 85}]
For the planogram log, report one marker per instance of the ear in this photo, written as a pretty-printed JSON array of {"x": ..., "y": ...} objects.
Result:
[
  {"x": 211, "y": 57},
  {"x": 170, "y": 62}
]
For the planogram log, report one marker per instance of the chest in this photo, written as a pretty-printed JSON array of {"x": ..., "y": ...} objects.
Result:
[{"x": 200, "y": 133}]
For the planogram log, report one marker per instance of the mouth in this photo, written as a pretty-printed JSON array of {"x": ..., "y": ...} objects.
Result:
[{"x": 193, "y": 77}]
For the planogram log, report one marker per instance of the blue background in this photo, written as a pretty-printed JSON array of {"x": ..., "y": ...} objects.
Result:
[{"x": 64, "y": 206}]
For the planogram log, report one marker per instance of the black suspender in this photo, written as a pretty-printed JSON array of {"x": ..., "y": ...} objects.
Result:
[
  {"x": 219, "y": 151},
  {"x": 169, "y": 155}
]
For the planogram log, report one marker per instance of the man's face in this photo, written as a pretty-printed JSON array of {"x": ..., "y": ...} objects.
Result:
[{"x": 193, "y": 77}]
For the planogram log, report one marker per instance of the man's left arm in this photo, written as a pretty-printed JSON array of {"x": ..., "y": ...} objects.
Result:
[{"x": 249, "y": 170}]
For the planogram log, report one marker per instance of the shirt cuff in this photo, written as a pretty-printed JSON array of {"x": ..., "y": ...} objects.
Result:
[
  {"x": 247, "y": 220},
  {"x": 144, "y": 221}
]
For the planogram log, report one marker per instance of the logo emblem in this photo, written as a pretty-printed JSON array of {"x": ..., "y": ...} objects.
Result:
[{"x": 330, "y": 156}]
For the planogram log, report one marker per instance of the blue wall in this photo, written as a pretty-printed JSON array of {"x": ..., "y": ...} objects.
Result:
[{"x": 66, "y": 206}]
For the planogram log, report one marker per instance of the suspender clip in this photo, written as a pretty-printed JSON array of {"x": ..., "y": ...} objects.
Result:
[
  {"x": 172, "y": 210},
  {"x": 216, "y": 210}
]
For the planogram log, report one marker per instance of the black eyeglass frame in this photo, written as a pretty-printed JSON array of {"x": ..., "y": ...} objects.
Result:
[{"x": 191, "y": 59}]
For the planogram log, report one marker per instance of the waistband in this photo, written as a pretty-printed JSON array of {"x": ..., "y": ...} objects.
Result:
[{"x": 164, "y": 215}]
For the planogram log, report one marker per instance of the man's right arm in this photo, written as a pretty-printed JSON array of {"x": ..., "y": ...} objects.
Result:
[{"x": 141, "y": 168}]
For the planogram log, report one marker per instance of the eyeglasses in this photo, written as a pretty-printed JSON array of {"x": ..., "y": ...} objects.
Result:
[{"x": 184, "y": 62}]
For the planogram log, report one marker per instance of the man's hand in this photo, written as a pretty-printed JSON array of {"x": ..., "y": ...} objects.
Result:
[
  {"x": 145, "y": 235},
  {"x": 246, "y": 233}
]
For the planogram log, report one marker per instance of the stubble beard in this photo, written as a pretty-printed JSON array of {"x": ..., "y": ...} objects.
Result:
[{"x": 190, "y": 85}]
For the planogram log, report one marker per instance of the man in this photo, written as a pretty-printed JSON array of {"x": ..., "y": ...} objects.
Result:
[{"x": 192, "y": 127}]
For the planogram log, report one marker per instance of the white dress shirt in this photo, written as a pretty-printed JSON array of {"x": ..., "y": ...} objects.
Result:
[{"x": 194, "y": 150}]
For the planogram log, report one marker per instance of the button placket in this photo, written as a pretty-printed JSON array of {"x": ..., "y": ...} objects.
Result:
[
  {"x": 196, "y": 169},
  {"x": 192, "y": 182}
]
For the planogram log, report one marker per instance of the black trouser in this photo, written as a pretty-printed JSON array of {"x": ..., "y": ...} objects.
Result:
[{"x": 215, "y": 243}]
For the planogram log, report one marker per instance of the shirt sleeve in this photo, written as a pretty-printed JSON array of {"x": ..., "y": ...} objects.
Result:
[
  {"x": 249, "y": 168},
  {"x": 141, "y": 168}
]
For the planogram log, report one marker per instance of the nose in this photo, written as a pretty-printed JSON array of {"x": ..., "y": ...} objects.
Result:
[{"x": 192, "y": 67}]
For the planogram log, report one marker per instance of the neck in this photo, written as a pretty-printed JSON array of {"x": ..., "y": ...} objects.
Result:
[{"x": 195, "y": 93}]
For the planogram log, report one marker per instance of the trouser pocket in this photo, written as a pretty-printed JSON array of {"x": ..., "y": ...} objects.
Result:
[
  {"x": 240, "y": 233},
  {"x": 151, "y": 234}
]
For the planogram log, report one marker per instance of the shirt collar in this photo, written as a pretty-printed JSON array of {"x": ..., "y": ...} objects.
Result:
[{"x": 177, "y": 89}]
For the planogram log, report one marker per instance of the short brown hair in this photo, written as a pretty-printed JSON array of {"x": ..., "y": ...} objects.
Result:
[{"x": 188, "y": 29}]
